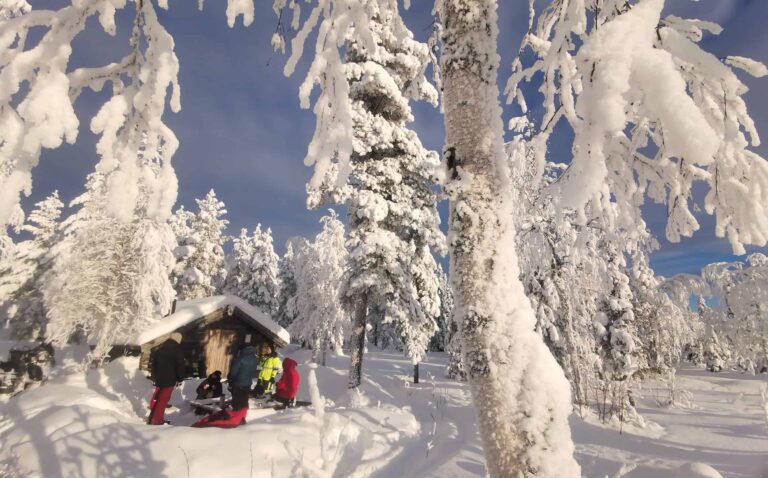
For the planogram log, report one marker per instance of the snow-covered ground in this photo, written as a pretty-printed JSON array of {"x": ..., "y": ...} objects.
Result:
[{"x": 93, "y": 426}]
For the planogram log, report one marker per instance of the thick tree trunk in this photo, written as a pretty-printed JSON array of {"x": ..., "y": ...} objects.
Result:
[
  {"x": 521, "y": 396},
  {"x": 357, "y": 342}
]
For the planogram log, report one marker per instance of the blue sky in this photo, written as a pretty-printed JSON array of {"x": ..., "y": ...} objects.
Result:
[{"x": 243, "y": 133}]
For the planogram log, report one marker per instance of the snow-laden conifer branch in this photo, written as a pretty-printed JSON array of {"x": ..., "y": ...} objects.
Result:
[
  {"x": 337, "y": 23},
  {"x": 652, "y": 114}
]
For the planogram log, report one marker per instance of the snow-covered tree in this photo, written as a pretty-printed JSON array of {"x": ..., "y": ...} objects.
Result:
[
  {"x": 111, "y": 271},
  {"x": 253, "y": 270},
  {"x": 321, "y": 319},
  {"x": 666, "y": 328},
  {"x": 239, "y": 271},
  {"x": 441, "y": 339},
  {"x": 381, "y": 332},
  {"x": 22, "y": 283},
  {"x": 286, "y": 275},
  {"x": 203, "y": 262},
  {"x": 614, "y": 322},
  {"x": 521, "y": 393},
  {"x": 180, "y": 223},
  {"x": 110, "y": 278},
  {"x": 743, "y": 292},
  {"x": 716, "y": 354},
  {"x": 448, "y": 334},
  {"x": 561, "y": 267},
  {"x": 386, "y": 183}
]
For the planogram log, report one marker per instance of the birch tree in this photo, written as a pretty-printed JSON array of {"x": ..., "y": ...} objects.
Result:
[{"x": 110, "y": 279}]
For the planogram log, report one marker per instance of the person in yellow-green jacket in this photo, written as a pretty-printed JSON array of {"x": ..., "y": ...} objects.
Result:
[{"x": 270, "y": 367}]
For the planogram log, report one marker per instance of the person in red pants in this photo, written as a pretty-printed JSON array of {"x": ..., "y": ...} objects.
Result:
[
  {"x": 240, "y": 377},
  {"x": 167, "y": 371}
]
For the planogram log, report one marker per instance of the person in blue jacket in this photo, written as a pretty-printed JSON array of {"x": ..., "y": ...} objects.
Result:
[{"x": 240, "y": 376}]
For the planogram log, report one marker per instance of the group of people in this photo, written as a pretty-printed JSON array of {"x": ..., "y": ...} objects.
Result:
[{"x": 168, "y": 371}]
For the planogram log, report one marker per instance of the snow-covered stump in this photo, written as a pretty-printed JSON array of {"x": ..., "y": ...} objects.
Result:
[{"x": 520, "y": 394}]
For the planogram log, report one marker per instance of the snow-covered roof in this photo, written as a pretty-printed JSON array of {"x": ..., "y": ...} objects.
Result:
[{"x": 192, "y": 310}]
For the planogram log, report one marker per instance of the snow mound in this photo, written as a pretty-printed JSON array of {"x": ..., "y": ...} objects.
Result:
[{"x": 697, "y": 470}]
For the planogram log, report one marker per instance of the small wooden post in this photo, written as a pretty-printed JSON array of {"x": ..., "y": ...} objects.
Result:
[{"x": 416, "y": 373}]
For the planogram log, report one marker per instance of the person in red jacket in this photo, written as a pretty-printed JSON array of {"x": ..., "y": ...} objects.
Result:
[{"x": 288, "y": 386}]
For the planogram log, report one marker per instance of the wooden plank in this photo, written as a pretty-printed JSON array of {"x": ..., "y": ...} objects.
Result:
[{"x": 218, "y": 349}]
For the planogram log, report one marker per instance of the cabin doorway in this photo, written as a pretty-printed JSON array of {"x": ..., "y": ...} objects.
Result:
[{"x": 219, "y": 345}]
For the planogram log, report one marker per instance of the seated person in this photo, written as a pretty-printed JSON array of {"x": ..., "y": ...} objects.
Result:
[
  {"x": 210, "y": 387},
  {"x": 288, "y": 386}
]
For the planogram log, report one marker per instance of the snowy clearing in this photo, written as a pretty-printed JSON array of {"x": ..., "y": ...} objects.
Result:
[{"x": 93, "y": 426}]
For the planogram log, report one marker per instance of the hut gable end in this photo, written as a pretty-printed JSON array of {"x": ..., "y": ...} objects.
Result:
[{"x": 212, "y": 330}]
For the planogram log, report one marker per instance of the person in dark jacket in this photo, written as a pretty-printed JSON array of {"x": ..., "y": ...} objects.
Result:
[
  {"x": 241, "y": 374},
  {"x": 167, "y": 372},
  {"x": 210, "y": 387},
  {"x": 288, "y": 385}
]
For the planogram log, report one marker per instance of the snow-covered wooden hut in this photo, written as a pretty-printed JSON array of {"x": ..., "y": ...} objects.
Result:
[{"x": 213, "y": 329}]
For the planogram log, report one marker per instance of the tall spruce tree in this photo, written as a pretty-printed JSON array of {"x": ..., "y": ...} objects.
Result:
[
  {"x": 253, "y": 270},
  {"x": 204, "y": 269},
  {"x": 180, "y": 223},
  {"x": 393, "y": 221},
  {"x": 286, "y": 276},
  {"x": 321, "y": 320}
]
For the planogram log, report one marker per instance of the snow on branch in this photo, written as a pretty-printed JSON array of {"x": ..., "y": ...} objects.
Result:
[
  {"x": 652, "y": 113},
  {"x": 38, "y": 91}
]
